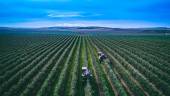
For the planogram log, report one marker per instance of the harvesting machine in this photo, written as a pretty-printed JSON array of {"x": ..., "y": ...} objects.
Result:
[{"x": 101, "y": 56}]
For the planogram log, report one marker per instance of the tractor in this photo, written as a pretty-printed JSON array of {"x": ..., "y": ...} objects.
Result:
[
  {"x": 86, "y": 74},
  {"x": 86, "y": 78},
  {"x": 101, "y": 56}
]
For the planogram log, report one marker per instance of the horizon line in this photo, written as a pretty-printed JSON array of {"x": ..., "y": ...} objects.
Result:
[{"x": 85, "y": 26}]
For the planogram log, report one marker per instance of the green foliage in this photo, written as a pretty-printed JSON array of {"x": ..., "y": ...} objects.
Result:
[{"x": 50, "y": 65}]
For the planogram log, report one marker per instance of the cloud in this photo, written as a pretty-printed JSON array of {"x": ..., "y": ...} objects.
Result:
[
  {"x": 70, "y": 14},
  {"x": 60, "y": 14}
]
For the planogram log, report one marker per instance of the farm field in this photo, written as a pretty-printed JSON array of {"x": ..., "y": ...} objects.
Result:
[{"x": 50, "y": 65}]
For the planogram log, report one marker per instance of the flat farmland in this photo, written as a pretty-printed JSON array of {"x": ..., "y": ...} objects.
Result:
[{"x": 51, "y": 65}]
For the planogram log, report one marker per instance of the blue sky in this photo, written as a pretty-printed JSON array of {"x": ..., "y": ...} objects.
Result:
[{"x": 108, "y": 13}]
